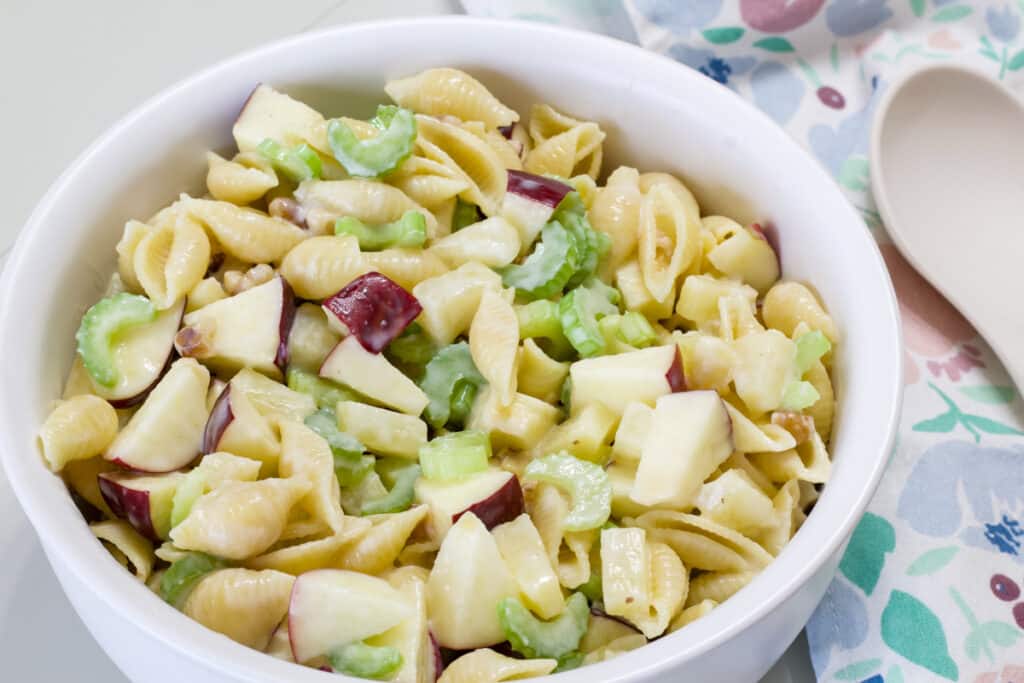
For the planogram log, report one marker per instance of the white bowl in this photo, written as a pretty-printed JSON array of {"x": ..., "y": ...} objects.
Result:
[{"x": 658, "y": 115}]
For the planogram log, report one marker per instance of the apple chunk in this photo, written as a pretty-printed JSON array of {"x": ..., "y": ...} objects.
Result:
[
  {"x": 467, "y": 582},
  {"x": 334, "y": 607},
  {"x": 246, "y": 330},
  {"x": 618, "y": 380},
  {"x": 690, "y": 436},
  {"x": 268, "y": 113},
  {"x": 166, "y": 433},
  {"x": 373, "y": 376},
  {"x": 493, "y": 496},
  {"x": 236, "y": 426},
  {"x": 144, "y": 501}
]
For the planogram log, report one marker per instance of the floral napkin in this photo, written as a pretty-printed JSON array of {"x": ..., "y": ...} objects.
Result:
[{"x": 932, "y": 584}]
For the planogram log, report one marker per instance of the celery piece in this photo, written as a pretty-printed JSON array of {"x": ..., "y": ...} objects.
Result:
[
  {"x": 799, "y": 395},
  {"x": 326, "y": 393},
  {"x": 412, "y": 347},
  {"x": 593, "y": 587},
  {"x": 325, "y": 423},
  {"x": 182, "y": 576},
  {"x": 399, "y": 498},
  {"x": 352, "y": 472},
  {"x": 408, "y": 231},
  {"x": 548, "y": 268},
  {"x": 534, "y": 638},
  {"x": 298, "y": 164},
  {"x": 449, "y": 366},
  {"x": 462, "y": 401},
  {"x": 366, "y": 661},
  {"x": 571, "y": 204},
  {"x": 456, "y": 455},
  {"x": 587, "y": 247},
  {"x": 465, "y": 214},
  {"x": 579, "y": 311},
  {"x": 567, "y": 662},
  {"x": 539, "y": 319},
  {"x": 186, "y": 494},
  {"x": 810, "y": 346},
  {"x": 635, "y": 330},
  {"x": 378, "y": 155},
  {"x": 101, "y": 324},
  {"x": 586, "y": 483}
]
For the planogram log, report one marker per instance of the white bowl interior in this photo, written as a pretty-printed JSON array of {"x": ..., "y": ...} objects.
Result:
[{"x": 658, "y": 116}]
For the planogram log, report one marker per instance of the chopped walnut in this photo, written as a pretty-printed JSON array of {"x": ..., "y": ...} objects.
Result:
[
  {"x": 799, "y": 425},
  {"x": 191, "y": 342},
  {"x": 288, "y": 209},
  {"x": 236, "y": 282}
]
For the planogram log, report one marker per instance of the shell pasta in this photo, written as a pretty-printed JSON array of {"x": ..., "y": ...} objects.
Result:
[{"x": 433, "y": 396}]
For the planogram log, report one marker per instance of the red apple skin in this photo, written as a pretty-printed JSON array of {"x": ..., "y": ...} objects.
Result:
[
  {"x": 438, "y": 660},
  {"x": 537, "y": 188},
  {"x": 218, "y": 422},
  {"x": 674, "y": 375},
  {"x": 246, "y": 103},
  {"x": 502, "y": 506},
  {"x": 129, "y": 504},
  {"x": 285, "y": 325}
]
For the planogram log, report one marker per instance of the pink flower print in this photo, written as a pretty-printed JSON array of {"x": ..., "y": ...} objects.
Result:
[
  {"x": 1010, "y": 674},
  {"x": 931, "y": 326},
  {"x": 943, "y": 40},
  {"x": 778, "y": 16},
  {"x": 966, "y": 358},
  {"x": 911, "y": 373}
]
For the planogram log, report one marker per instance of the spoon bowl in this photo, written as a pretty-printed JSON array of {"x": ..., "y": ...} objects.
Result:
[{"x": 947, "y": 171}]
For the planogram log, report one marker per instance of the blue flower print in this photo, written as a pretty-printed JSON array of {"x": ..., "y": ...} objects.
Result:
[
  {"x": 1005, "y": 536},
  {"x": 721, "y": 69},
  {"x": 679, "y": 17},
  {"x": 841, "y": 619},
  {"x": 851, "y": 17},
  {"x": 833, "y": 146},
  {"x": 1004, "y": 24},
  {"x": 777, "y": 90}
]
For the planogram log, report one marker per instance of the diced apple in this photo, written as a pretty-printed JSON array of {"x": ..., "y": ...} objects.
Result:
[
  {"x": 144, "y": 501},
  {"x": 735, "y": 501},
  {"x": 493, "y": 496},
  {"x": 412, "y": 636},
  {"x": 518, "y": 426},
  {"x": 237, "y": 427},
  {"x": 585, "y": 435},
  {"x": 622, "y": 475},
  {"x": 373, "y": 376},
  {"x": 166, "y": 433},
  {"x": 383, "y": 431},
  {"x": 523, "y": 550},
  {"x": 272, "y": 114},
  {"x": 632, "y": 432},
  {"x": 529, "y": 202},
  {"x": 311, "y": 338},
  {"x": 616, "y": 381},
  {"x": 374, "y": 309},
  {"x": 246, "y": 330},
  {"x": 690, "y": 436},
  {"x": 141, "y": 354},
  {"x": 334, "y": 607},
  {"x": 765, "y": 367},
  {"x": 747, "y": 256},
  {"x": 467, "y": 582},
  {"x": 272, "y": 399}
]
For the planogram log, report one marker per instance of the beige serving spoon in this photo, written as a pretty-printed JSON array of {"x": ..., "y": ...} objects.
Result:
[{"x": 947, "y": 171}]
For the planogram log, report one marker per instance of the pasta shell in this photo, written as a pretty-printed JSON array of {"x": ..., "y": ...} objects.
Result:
[
  {"x": 444, "y": 91},
  {"x": 407, "y": 267},
  {"x": 824, "y": 408},
  {"x": 749, "y": 437},
  {"x": 616, "y": 213},
  {"x": 427, "y": 182},
  {"x": 244, "y": 233},
  {"x": 78, "y": 429},
  {"x": 469, "y": 156},
  {"x": 692, "y": 614},
  {"x": 540, "y": 375},
  {"x": 487, "y": 666},
  {"x": 305, "y": 455},
  {"x": 240, "y": 181},
  {"x": 373, "y": 203},
  {"x": 134, "y": 232},
  {"x": 316, "y": 554},
  {"x": 668, "y": 239},
  {"x": 169, "y": 262},
  {"x": 494, "y": 344},
  {"x": 379, "y": 546},
  {"x": 787, "y": 304},
  {"x": 576, "y": 151},
  {"x": 320, "y": 266},
  {"x": 450, "y": 300},
  {"x": 717, "y": 586},
  {"x": 136, "y": 551},
  {"x": 493, "y": 242},
  {"x": 242, "y": 604},
  {"x": 703, "y": 544},
  {"x": 669, "y": 583}
]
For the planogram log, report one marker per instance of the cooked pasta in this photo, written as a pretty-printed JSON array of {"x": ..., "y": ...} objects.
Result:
[{"x": 428, "y": 383}]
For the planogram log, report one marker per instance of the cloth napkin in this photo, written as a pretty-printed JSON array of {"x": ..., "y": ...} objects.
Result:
[{"x": 932, "y": 584}]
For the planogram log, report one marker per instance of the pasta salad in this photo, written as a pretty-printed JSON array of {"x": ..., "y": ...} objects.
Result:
[{"x": 426, "y": 397}]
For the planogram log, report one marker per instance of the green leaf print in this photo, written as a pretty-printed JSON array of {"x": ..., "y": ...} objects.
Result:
[
  {"x": 723, "y": 35},
  {"x": 854, "y": 173},
  {"x": 775, "y": 44},
  {"x": 1000, "y": 633},
  {"x": 952, "y": 13},
  {"x": 1016, "y": 61},
  {"x": 894, "y": 674},
  {"x": 918, "y": 7},
  {"x": 988, "y": 393},
  {"x": 865, "y": 556},
  {"x": 858, "y": 670},
  {"x": 932, "y": 561},
  {"x": 912, "y": 630},
  {"x": 989, "y": 426},
  {"x": 941, "y": 423}
]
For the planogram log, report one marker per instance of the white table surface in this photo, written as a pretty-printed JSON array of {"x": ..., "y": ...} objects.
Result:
[{"x": 69, "y": 71}]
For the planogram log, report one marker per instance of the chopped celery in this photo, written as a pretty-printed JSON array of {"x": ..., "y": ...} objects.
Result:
[
  {"x": 586, "y": 245},
  {"x": 412, "y": 347},
  {"x": 101, "y": 324},
  {"x": 326, "y": 393},
  {"x": 548, "y": 268},
  {"x": 366, "y": 661},
  {"x": 799, "y": 395},
  {"x": 408, "y": 231},
  {"x": 810, "y": 346},
  {"x": 572, "y": 660},
  {"x": 388, "y": 468},
  {"x": 571, "y": 204},
  {"x": 579, "y": 311},
  {"x": 298, "y": 164},
  {"x": 539, "y": 319},
  {"x": 325, "y": 423},
  {"x": 455, "y": 455},
  {"x": 533, "y": 638},
  {"x": 465, "y": 214},
  {"x": 635, "y": 330},
  {"x": 585, "y": 482},
  {"x": 462, "y": 401},
  {"x": 186, "y": 494},
  {"x": 593, "y": 587},
  {"x": 449, "y": 367},
  {"x": 377, "y": 155},
  {"x": 179, "y": 579},
  {"x": 399, "y": 498},
  {"x": 604, "y": 244},
  {"x": 352, "y": 472}
]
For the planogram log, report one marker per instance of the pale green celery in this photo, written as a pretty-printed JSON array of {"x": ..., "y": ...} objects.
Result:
[
  {"x": 412, "y": 347},
  {"x": 455, "y": 455},
  {"x": 366, "y": 661},
  {"x": 188, "y": 492},
  {"x": 547, "y": 270},
  {"x": 799, "y": 395},
  {"x": 378, "y": 155},
  {"x": 326, "y": 393},
  {"x": 810, "y": 346},
  {"x": 325, "y": 423},
  {"x": 298, "y": 164},
  {"x": 462, "y": 401},
  {"x": 579, "y": 312},
  {"x": 408, "y": 231},
  {"x": 585, "y": 482},
  {"x": 635, "y": 330},
  {"x": 448, "y": 368},
  {"x": 586, "y": 245},
  {"x": 555, "y": 639},
  {"x": 539, "y": 319},
  {"x": 102, "y": 323},
  {"x": 400, "y": 496},
  {"x": 182, "y": 576},
  {"x": 465, "y": 214}
]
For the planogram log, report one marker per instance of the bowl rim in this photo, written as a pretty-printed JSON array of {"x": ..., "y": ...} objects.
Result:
[{"x": 77, "y": 550}]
